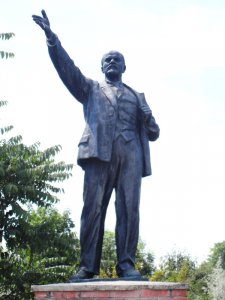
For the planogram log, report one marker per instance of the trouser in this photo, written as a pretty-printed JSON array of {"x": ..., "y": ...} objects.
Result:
[{"x": 124, "y": 173}]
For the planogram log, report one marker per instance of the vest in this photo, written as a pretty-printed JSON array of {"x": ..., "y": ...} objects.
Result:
[{"x": 127, "y": 107}]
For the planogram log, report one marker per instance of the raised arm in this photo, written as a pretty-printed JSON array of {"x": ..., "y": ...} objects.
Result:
[{"x": 70, "y": 74}]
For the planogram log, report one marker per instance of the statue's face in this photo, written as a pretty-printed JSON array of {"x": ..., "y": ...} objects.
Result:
[{"x": 113, "y": 65}]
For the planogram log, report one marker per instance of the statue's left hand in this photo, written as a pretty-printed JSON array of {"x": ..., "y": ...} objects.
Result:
[
  {"x": 43, "y": 22},
  {"x": 146, "y": 111}
]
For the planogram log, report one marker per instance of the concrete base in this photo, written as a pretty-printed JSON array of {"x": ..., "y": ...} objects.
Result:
[{"x": 122, "y": 290}]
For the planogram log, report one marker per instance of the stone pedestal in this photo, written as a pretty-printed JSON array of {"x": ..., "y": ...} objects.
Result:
[{"x": 103, "y": 290}]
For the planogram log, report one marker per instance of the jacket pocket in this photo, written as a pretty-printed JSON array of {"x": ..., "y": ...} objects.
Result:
[{"x": 84, "y": 139}]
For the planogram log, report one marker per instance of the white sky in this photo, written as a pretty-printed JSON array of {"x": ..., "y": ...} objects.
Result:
[{"x": 175, "y": 53}]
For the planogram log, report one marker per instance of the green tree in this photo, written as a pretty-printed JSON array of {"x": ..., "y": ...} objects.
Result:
[
  {"x": 47, "y": 239},
  {"x": 46, "y": 250},
  {"x": 207, "y": 282},
  {"x": 6, "y": 36},
  {"x": 217, "y": 254},
  {"x": 27, "y": 176},
  {"x": 216, "y": 282},
  {"x": 36, "y": 252},
  {"x": 175, "y": 267},
  {"x": 144, "y": 259},
  {"x": 198, "y": 282},
  {"x": 108, "y": 261},
  {"x": 12, "y": 286}
]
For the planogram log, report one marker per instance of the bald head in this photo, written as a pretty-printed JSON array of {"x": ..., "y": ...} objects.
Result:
[
  {"x": 113, "y": 52},
  {"x": 113, "y": 65}
]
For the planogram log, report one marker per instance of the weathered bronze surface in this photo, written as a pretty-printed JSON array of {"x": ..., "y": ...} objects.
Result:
[{"x": 113, "y": 152}]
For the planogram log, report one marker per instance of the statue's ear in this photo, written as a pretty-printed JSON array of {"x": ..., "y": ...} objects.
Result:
[{"x": 124, "y": 68}]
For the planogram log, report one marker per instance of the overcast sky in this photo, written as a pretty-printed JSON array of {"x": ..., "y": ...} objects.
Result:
[{"x": 175, "y": 54}]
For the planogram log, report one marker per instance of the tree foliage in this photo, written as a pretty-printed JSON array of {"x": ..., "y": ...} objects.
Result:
[
  {"x": 209, "y": 278},
  {"x": 46, "y": 250},
  {"x": 6, "y": 36},
  {"x": 144, "y": 258},
  {"x": 47, "y": 235},
  {"x": 27, "y": 176},
  {"x": 40, "y": 246},
  {"x": 175, "y": 267},
  {"x": 12, "y": 285},
  {"x": 216, "y": 282},
  {"x": 217, "y": 255},
  {"x": 198, "y": 282},
  {"x": 108, "y": 261}
]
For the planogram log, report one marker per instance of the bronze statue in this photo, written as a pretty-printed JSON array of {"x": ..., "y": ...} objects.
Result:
[{"x": 113, "y": 152}]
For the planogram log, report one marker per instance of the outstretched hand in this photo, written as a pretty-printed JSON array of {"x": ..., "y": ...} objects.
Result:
[{"x": 43, "y": 22}]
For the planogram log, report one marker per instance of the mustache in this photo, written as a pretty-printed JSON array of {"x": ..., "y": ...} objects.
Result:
[{"x": 112, "y": 65}]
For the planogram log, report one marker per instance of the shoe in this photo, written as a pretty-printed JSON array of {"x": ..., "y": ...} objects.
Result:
[
  {"x": 80, "y": 275},
  {"x": 129, "y": 273}
]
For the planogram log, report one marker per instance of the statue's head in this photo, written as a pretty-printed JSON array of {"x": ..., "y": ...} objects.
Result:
[{"x": 113, "y": 65}]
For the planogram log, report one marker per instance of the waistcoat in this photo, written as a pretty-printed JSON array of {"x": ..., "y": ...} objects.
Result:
[{"x": 127, "y": 107}]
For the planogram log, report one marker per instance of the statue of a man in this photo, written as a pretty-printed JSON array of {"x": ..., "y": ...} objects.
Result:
[{"x": 113, "y": 152}]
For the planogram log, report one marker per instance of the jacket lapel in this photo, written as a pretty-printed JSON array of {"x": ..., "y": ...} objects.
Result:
[{"x": 109, "y": 94}]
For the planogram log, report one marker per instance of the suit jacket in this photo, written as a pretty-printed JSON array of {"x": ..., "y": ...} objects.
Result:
[{"x": 100, "y": 107}]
